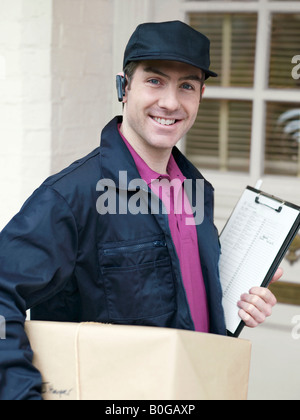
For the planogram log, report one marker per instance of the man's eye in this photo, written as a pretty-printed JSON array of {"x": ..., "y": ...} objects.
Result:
[
  {"x": 153, "y": 81},
  {"x": 187, "y": 86}
]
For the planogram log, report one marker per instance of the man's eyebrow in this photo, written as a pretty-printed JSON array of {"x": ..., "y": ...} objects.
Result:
[
  {"x": 192, "y": 77},
  {"x": 160, "y": 73},
  {"x": 156, "y": 71}
]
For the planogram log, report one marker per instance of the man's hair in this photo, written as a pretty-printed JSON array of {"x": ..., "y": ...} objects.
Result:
[{"x": 130, "y": 70}]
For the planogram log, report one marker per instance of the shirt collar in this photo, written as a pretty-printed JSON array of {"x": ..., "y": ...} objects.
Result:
[{"x": 146, "y": 173}]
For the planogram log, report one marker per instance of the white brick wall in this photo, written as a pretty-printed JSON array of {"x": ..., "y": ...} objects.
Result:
[
  {"x": 25, "y": 39},
  {"x": 10, "y": 107},
  {"x": 55, "y": 94},
  {"x": 82, "y": 76}
]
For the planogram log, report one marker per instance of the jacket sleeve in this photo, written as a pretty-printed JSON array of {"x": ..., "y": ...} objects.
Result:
[{"x": 38, "y": 250}]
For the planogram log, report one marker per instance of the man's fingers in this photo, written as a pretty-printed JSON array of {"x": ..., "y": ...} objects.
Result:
[
  {"x": 256, "y": 315},
  {"x": 278, "y": 275},
  {"x": 249, "y": 321},
  {"x": 256, "y": 306},
  {"x": 265, "y": 294},
  {"x": 251, "y": 301}
]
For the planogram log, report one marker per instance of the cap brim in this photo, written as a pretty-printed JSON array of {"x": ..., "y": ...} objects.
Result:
[{"x": 209, "y": 73}]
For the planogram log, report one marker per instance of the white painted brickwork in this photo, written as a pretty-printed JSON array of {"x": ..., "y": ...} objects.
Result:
[
  {"x": 81, "y": 67},
  {"x": 55, "y": 60},
  {"x": 24, "y": 100}
]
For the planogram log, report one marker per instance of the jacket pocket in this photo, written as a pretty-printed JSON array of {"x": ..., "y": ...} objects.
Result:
[{"x": 138, "y": 280}]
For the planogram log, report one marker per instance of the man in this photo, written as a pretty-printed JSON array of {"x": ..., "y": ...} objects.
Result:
[{"x": 76, "y": 252}]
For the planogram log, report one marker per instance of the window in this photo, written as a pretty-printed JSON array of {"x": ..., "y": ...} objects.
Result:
[
  {"x": 282, "y": 152},
  {"x": 221, "y": 136},
  {"x": 285, "y": 44},
  {"x": 249, "y": 121},
  {"x": 233, "y": 39}
]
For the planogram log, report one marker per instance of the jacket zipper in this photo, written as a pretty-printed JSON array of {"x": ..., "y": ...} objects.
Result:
[{"x": 135, "y": 248}]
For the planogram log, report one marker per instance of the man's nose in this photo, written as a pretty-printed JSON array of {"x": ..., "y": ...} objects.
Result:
[{"x": 169, "y": 100}]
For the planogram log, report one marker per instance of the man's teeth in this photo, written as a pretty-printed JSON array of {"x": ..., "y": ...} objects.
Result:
[{"x": 163, "y": 121}]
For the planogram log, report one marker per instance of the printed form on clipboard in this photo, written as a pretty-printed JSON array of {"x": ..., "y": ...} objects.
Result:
[{"x": 254, "y": 242}]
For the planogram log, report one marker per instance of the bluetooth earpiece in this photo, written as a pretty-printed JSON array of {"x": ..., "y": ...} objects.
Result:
[{"x": 121, "y": 84}]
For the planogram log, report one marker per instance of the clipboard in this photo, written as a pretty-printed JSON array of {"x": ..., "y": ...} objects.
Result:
[{"x": 254, "y": 242}]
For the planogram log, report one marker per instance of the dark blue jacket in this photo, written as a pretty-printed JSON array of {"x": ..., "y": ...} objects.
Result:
[{"x": 66, "y": 262}]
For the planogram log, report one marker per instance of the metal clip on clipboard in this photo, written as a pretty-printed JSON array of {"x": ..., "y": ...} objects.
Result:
[{"x": 271, "y": 197}]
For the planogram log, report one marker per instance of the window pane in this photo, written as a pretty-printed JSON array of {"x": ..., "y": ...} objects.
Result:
[
  {"x": 202, "y": 143},
  {"x": 221, "y": 136},
  {"x": 282, "y": 155},
  {"x": 285, "y": 44},
  {"x": 233, "y": 42}
]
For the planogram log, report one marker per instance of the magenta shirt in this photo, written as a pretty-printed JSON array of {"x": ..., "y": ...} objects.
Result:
[{"x": 184, "y": 235}]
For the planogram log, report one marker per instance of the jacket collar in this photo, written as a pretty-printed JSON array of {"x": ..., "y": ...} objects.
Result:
[{"x": 115, "y": 156}]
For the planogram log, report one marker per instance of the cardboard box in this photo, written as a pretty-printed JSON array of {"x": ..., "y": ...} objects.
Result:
[{"x": 113, "y": 362}]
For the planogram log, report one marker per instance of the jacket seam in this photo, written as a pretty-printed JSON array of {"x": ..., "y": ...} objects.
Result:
[
  {"x": 47, "y": 187},
  {"x": 73, "y": 216},
  {"x": 79, "y": 164}
]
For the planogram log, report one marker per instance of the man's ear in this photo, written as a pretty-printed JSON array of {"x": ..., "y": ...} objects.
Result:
[{"x": 202, "y": 92}]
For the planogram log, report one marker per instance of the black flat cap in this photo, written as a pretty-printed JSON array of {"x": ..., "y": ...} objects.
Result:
[{"x": 172, "y": 41}]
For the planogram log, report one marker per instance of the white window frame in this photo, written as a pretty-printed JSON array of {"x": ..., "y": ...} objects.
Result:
[{"x": 260, "y": 95}]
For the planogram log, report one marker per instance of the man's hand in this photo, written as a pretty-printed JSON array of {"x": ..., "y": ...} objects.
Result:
[{"x": 257, "y": 305}]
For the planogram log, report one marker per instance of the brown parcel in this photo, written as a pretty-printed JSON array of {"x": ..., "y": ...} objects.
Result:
[{"x": 111, "y": 362}]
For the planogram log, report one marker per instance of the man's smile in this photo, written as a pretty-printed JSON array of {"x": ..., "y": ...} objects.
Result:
[{"x": 164, "y": 121}]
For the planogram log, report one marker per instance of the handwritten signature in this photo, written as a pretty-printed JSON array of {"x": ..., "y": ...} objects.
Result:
[{"x": 48, "y": 388}]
